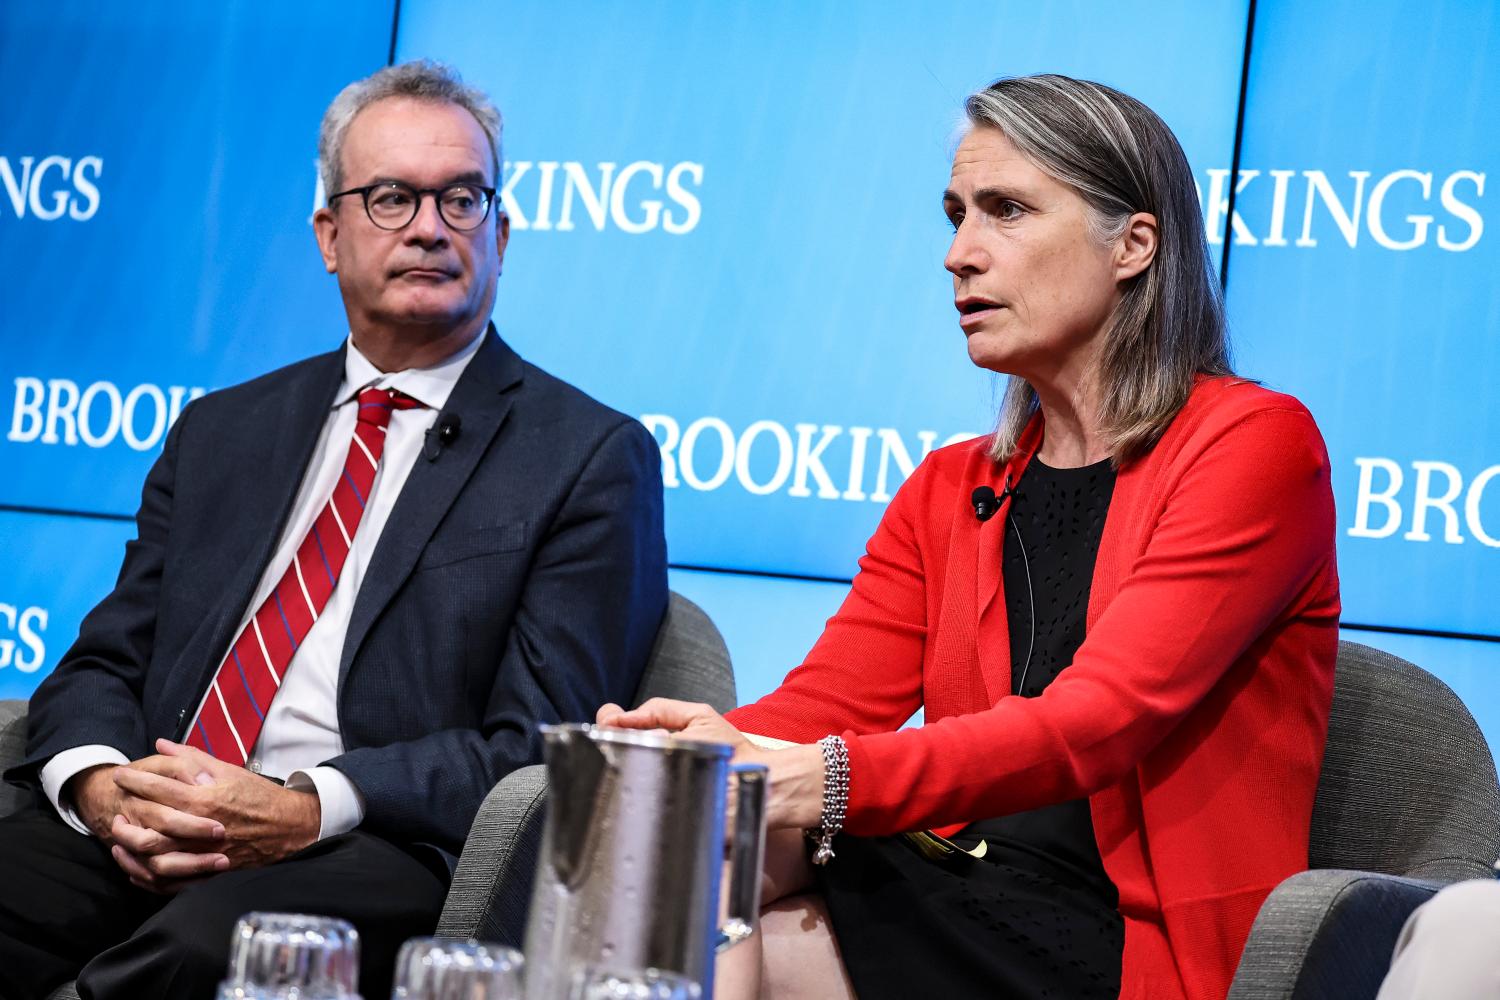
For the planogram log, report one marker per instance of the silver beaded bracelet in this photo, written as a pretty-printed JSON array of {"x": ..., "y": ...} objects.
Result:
[{"x": 835, "y": 797}]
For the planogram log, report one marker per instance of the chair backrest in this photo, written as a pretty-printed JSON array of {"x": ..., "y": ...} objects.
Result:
[
  {"x": 689, "y": 661},
  {"x": 1408, "y": 784},
  {"x": 12, "y": 750}
]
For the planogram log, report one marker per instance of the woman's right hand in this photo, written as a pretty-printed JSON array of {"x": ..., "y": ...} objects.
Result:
[
  {"x": 689, "y": 720},
  {"x": 796, "y": 773}
]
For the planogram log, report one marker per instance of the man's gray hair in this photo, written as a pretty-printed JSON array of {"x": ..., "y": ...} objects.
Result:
[
  {"x": 1121, "y": 159},
  {"x": 421, "y": 80}
]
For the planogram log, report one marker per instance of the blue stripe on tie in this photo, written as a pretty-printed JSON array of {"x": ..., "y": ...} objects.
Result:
[
  {"x": 253, "y": 703},
  {"x": 378, "y": 406},
  {"x": 326, "y": 568},
  {"x": 355, "y": 489},
  {"x": 285, "y": 624},
  {"x": 206, "y": 745}
]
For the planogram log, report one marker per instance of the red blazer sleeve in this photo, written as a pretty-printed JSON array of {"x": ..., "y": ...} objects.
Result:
[
  {"x": 864, "y": 674},
  {"x": 1243, "y": 532}
]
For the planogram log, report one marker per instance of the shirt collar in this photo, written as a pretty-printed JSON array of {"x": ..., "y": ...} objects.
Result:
[{"x": 431, "y": 386}]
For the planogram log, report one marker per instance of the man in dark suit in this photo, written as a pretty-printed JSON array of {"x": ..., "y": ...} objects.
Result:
[{"x": 359, "y": 583}]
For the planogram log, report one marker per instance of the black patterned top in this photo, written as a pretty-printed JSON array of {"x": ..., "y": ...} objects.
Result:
[{"x": 1056, "y": 519}]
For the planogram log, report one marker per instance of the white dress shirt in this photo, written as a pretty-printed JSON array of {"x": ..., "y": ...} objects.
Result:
[{"x": 301, "y": 728}]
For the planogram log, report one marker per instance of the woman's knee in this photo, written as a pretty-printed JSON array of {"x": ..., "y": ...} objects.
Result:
[{"x": 800, "y": 954}]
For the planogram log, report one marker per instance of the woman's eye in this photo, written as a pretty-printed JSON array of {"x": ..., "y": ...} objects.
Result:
[
  {"x": 1009, "y": 211},
  {"x": 955, "y": 220}
]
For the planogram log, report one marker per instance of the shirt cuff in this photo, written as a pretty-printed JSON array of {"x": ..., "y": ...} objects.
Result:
[
  {"x": 63, "y": 766},
  {"x": 342, "y": 805}
]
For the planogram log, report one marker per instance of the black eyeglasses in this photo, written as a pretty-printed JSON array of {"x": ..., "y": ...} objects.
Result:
[{"x": 392, "y": 204}]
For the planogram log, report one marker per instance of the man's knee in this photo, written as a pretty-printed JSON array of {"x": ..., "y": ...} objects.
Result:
[{"x": 181, "y": 951}]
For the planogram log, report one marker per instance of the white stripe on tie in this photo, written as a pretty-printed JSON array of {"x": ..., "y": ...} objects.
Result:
[
  {"x": 373, "y": 463},
  {"x": 229, "y": 720},
  {"x": 262, "y": 640},
  {"x": 303, "y": 583},
  {"x": 348, "y": 542}
]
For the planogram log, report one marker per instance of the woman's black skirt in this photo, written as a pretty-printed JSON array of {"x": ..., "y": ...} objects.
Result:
[{"x": 1011, "y": 925}]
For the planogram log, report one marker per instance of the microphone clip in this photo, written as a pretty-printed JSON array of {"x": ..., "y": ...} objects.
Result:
[
  {"x": 440, "y": 435},
  {"x": 986, "y": 504}
]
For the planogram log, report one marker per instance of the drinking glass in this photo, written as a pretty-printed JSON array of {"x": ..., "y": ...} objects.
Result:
[
  {"x": 437, "y": 969},
  {"x": 292, "y": 956},
  {"x": 602, "y": 983}
]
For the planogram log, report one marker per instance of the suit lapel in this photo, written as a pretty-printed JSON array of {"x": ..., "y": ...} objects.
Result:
[
  {"x": 482, "y": 398},
  {"x": 292, "y": 420}
]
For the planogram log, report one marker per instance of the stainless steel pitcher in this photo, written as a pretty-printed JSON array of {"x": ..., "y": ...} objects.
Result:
[{"x": 632, "y": 854}]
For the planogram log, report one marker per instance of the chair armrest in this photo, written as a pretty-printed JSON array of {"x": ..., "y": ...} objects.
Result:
[
  {"x": 491, "y": 889},
  {"x": 1327, "y": 935},
  {"x": 12, "y": 750}
]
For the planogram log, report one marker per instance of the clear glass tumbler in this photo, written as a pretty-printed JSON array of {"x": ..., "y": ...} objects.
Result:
[
  {"x": 439, "y": 969},
  {"x": 293, "y": 956},
  {"x": 601, "y": 983}
]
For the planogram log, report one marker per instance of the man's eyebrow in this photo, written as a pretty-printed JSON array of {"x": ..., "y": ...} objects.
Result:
[
  {"x": 466, "y": 177},
  {"x": 469, "y": 177}
]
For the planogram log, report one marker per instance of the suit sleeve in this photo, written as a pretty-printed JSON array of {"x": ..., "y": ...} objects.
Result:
[
  {"x": 588, "y": 616},
  {"x": 1244, "y": 533},
  {"x": 94, "y": 694},
  {"x": 865, "y": 671}
]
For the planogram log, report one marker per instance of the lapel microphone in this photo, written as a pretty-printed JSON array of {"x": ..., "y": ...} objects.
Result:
[
  {"x": 441, "y": 434},
  {"x": 986, "y": 503}
]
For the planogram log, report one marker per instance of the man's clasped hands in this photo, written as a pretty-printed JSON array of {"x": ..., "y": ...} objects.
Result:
[{"x": 182, "y": 814}]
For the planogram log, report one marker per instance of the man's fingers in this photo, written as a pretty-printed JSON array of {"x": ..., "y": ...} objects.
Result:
[
  {"x": 171, "y": 822},
  {"x": 204, "y": 766},
  {"x": 137, "y": 839},
  {"x": 134, "y": 869},
  {"x": 607, "y": 714},
  {"x": 166, "y": 873},
  {"x": 146, "y": 841},
  {"x": 172, "y": 865},
  {"x": 184, "y": 864},
  {"x": 179, "y": 824},
  {"x": 177, "y": 768},
  {"x": 157, "y": 788}
]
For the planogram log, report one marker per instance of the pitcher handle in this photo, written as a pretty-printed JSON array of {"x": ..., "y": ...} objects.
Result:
[{"x": 747, "y": 855}]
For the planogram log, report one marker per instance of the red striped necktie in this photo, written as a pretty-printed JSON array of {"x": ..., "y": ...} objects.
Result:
[{"x": 235, "y": 707}]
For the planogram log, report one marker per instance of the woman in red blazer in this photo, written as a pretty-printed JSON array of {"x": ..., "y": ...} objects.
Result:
[{"x": 1184, "y": 724}]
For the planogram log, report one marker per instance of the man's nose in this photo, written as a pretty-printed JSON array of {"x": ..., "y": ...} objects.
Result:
[{"x": 427, "y": 228}]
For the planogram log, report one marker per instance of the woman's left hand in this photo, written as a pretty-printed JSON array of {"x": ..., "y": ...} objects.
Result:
[{"x": 796, "y": 773}]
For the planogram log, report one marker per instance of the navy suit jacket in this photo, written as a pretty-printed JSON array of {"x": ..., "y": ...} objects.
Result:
[{"x": 520, "y": 578}]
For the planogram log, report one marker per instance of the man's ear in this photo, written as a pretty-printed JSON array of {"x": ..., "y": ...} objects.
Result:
[
  {"x": 1137, "y": 246},
  {"x": 502, "y": 238},
  {"x": 326, "y": 230}
]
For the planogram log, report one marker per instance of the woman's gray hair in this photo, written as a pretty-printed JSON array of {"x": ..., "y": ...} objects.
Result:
[
  {"x": 422, "y": 80},
  {"x": 1169, "y": 326}
]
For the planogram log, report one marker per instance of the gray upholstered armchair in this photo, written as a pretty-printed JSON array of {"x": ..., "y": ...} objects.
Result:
[
  {"x": 492, "y": 885},
  {"x": 1407, "y": 803}
]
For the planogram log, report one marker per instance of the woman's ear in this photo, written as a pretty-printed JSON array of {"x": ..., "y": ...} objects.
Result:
[{"x": 1137, "y": 246}]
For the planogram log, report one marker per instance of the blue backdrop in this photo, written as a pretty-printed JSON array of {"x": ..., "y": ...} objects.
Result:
[{"x": 726, "y": 221}]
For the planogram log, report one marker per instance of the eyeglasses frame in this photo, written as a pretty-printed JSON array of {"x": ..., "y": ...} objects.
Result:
[{"x": 364, "y": 194}]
